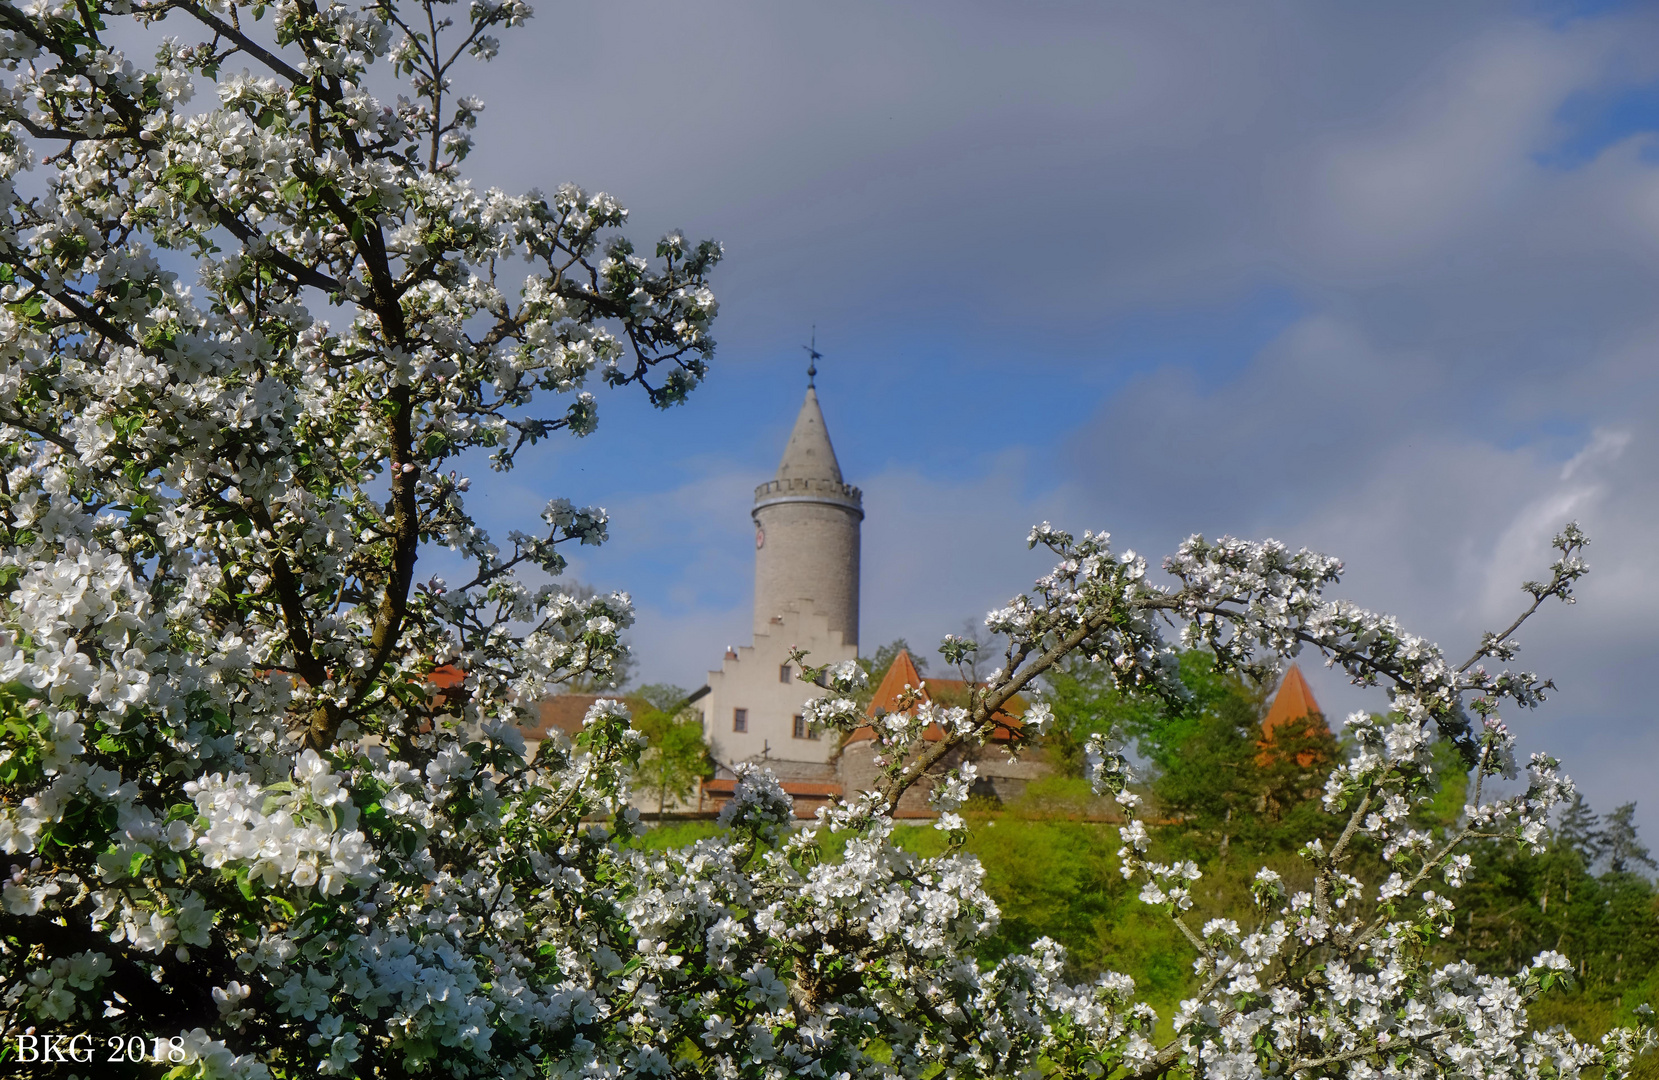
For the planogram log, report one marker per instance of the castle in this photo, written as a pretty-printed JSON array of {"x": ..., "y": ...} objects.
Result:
[{"x": 807, "y": 522}]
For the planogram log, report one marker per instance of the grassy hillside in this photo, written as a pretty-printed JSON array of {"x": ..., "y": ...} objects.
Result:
[{"x": 1055, "y": 874}]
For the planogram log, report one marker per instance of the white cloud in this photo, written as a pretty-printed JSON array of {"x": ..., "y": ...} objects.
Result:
[
  {"x": 938, "y": 552},
  {"x": 1435, "y": 526},
  {"x": 1448, "y": 156},
  {"x": 681, "y": 646},
  {"x": 1476, "y": 332}
]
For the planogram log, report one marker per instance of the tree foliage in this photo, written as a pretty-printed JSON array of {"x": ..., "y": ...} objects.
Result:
[
  {"x": 1625, "y": 853},
  {"x": 1209, "y": 769},
  {"x": 1608, "y": 923},
  {"x": 675, "y": 756},
  {"x": 1054, "y": 875}
]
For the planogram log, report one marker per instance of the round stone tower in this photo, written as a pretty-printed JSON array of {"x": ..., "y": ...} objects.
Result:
[{"x": 806, "y": 532}]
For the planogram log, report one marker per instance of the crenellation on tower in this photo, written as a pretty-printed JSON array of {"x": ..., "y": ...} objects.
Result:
[
  {"x": 810, "y": 490},
  {"x": 807, "y": 523}
]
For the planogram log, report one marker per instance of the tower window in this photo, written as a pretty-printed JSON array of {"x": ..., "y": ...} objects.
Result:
[
  {"x": 783, "y": 673},
  {"x": 740, "y": 719},
  {"x": 800, "y": 727}
]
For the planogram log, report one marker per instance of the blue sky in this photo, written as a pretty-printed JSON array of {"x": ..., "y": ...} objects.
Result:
[{"x": 1375, "y": 279}]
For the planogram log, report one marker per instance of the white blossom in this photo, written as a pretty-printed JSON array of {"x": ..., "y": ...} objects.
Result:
[{"x": 254, "y": 759}]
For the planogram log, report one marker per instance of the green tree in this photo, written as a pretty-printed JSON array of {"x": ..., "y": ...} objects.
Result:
[
  {"x": 1624, "y": 852},
  {"x": 1577, "y": 830},
  {"x": 1516, "y": 906},
  {"x": 1086, "y": 702},
  {"x": 1209, "y": 768},
  {"x": 675, "y": 756}
]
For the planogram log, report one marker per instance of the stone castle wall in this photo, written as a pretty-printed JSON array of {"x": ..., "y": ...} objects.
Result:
[{"x": 807, "y": 555}]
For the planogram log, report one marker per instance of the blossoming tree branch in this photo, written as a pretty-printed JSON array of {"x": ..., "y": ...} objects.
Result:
[{"x": 250, "y": 317}]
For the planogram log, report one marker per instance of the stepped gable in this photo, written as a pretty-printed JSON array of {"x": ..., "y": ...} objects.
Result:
[
  {"x": 1293, "y": 714},
  {"x": 903, "y": 673}
]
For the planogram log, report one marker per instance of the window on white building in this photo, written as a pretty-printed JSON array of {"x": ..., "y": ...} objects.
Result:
[{"x": 740, "y": 719}]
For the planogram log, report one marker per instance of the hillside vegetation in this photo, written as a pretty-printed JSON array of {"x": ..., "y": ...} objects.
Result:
[{"x": 1222, "y": 795}]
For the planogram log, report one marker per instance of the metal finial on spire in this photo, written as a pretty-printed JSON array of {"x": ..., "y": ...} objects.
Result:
[{"x": 813, "y": 356}]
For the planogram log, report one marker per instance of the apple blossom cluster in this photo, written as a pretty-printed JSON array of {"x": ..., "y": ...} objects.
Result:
[
  {"x": 263, "y": 788},
  {"x": 1281, "y": 593},
  {"x": 1329, "y": 980},
  {"x": 758, "y": 804},
  {"x": 1107, "y": 769},
  {"x": 1067, "y": 610}
]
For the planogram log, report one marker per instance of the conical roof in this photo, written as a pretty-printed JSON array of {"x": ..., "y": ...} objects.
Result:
[
  {"x": 903, "y": 672},
  {"x": 1293, "y": 701},
  {"x": 809, "y": 455},
  {"x": 1296, "y": 717},
  {"x": 900, "y": 674}
]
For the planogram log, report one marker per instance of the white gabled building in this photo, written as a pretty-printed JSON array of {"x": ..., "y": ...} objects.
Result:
[{"x": 807, "y": 523}]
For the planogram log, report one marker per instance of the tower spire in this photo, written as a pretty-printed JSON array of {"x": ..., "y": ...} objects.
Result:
[
  {"x": 806, "y": 528},
  {"x": 809, "y": 454},
  {"x": 813, "y": 356}
]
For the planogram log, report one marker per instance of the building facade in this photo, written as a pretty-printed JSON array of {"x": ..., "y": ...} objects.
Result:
[{"x": 807, "y": 522}]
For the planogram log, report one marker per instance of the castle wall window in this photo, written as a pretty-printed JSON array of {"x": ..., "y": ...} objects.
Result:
[
  {"x": 783, "y": 673},
  {"x": 740, "y": 719},
  {"x": 801, "y": 731}
]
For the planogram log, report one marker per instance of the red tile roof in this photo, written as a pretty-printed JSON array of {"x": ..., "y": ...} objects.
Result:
[
  {"x": 566, "y": 712},
  {"x": 798, "y": 788},
  {"x": 1290, "y": 714},
  {"x": 446, "y": 677},
  {"x": 902, "y": 672}
]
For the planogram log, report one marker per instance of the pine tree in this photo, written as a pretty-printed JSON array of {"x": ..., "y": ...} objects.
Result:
[
  {"x": 1577, "y": 830},
  {"x": 1624, "y": 852}
]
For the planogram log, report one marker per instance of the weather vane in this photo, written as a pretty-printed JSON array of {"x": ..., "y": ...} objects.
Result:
[{"x": 813, "y": 356}]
